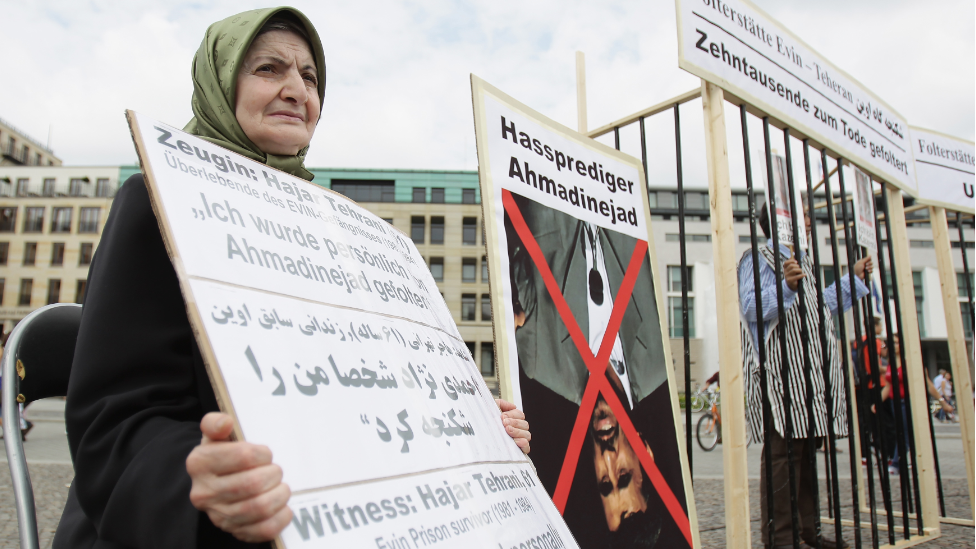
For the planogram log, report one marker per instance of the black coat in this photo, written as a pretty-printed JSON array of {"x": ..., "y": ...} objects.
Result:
[{"x": 137, "y": 393}]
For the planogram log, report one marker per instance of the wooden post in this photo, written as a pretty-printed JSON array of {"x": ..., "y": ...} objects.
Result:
[
  {"x": 581, "y": 92},
  {"x": 737, "y": 526},
  {"x": 958, "y": 352},
  {"x": 914, "y": 370}
]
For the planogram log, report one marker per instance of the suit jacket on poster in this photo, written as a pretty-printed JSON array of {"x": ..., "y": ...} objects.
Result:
[{"x": 546, "y": 352}]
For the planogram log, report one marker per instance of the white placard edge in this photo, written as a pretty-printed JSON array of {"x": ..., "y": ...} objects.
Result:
[
  {"x": 755, "y": 104},
  {"x": 950, "y": 206}
]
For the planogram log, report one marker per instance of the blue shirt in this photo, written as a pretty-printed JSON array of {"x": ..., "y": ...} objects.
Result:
[{"x": 767, "y": 280}]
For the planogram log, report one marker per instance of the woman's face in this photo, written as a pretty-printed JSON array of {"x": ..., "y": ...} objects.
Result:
[{"x": 277, "y": 93}]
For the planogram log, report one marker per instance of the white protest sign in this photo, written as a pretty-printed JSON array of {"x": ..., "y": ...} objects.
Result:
[
  {"x": 944, "y": 167},
  {"x": 864, "y": 206},
  {"x": 784, "y": 218},
  {"x": 577, "y": 322},
  {"x": 326, "y": 339},
  {"x": 737, "y": 46}
]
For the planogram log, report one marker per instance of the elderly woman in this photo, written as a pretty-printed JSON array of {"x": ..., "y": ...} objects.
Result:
[{"x": 139, "y": 394}]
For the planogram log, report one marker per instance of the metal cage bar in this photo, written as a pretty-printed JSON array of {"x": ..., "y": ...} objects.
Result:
[{"x": 783, "y": 348}]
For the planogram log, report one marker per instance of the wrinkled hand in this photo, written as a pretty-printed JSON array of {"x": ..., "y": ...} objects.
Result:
[
  {"x": 792, "y": 273},
  {"x": 864, "y": 267},
  {"x": 236, "y": 483},
  {"x": 515, "y": 424}
]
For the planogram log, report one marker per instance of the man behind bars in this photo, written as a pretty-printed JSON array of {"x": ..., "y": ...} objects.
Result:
[{"x": 795, "y": 274}]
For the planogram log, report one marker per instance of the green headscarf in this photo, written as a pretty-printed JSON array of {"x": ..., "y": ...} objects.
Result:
[{"x": 214, "y": 72}]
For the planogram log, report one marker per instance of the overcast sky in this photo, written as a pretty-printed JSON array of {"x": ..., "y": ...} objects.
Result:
[{"x": 398, "y": 92}]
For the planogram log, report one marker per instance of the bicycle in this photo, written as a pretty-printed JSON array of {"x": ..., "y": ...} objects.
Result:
[
  {"x": 709, "y": 428},
  {"x": 702, "y": 398}
]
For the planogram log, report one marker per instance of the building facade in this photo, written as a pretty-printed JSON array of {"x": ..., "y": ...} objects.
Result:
[
  {"x": 51, "y": 219},
  {"x": 19, "y": 149}
]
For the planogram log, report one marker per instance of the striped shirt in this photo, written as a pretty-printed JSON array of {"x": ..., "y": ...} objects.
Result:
[{"x": 797, "y": 376}]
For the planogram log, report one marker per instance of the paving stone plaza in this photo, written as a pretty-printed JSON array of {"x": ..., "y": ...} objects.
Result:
[{"x": 51, "y": 475}]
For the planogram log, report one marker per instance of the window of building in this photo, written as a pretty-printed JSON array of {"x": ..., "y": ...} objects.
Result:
[
  {"x": 4, "y": 252},
  {"x": 827, "y": 275},
  {"x": 26, "y": 288},
  {"x": 57, "y": 254},
  {"x": 470, "y": 346},
  {"x": 487, "y": 358},
  {"x": 8, "y": 219},
  {"x": 967, "y": 319},
  {"x": 652, "y": 199},
  {"x": 468, "y": 306},
  {"x": 921, "y": 244},
  {"x": 30, "y": 253},
  {"x": 61, "y": 220},
  {"x": 419, "y": 194},
  {"x": 740, "y": 203},
  {"x": 667, "y": 200},
  {"x": 53, "y": 290},
  {"x": 33, "y": 220},
  {"x": 467, "y": 196},
  {"x": 80, "y": 287},
  {"x": 485, "y": 307},
  {"x": 23, "y": 185},
  {"x": 436, "y": 230},
  {"x": 437, "y": 195},
  {"x": 674, "y": 278},
  {"x": 48, "y": 187},
  {"x": 675, "y": 320},
  {"x": 437, "y": 268},
  {"x": 388, "y": 220},
  {"x": 74, "y": 186},
  {"x": 102, "y": 189},
  {"x": 676, "y": 237},
  {"x": 469, "y": 269},
  {"x": 88, "y": 221},
  {"x": 366, "y": 190},
  {"x": 969, "y": 244},
  {"x": 469, "y": 231},
  {"x": 696, "y": 201},
  {"x": 484, "y": 269},
  {"x": 3, "y": 286},
  {"x": 418, "y": 226},
  {"x": 919, "y": 299},
  {"x": 37, "y": 159},
  {"x": 85, "y": 253},
  {"x": 961, "y": 285}
]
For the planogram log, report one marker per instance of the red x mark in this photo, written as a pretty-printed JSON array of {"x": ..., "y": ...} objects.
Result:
[{"x": 596, "y": 365}]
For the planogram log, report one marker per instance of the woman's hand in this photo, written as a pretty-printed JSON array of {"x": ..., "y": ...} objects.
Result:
[
  {"x": 515, "y": 424},
  {"x": 236, "y": 483}
]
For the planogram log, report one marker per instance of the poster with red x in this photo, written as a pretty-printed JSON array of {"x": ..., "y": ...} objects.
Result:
[{"x": 577, "y": 316}]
